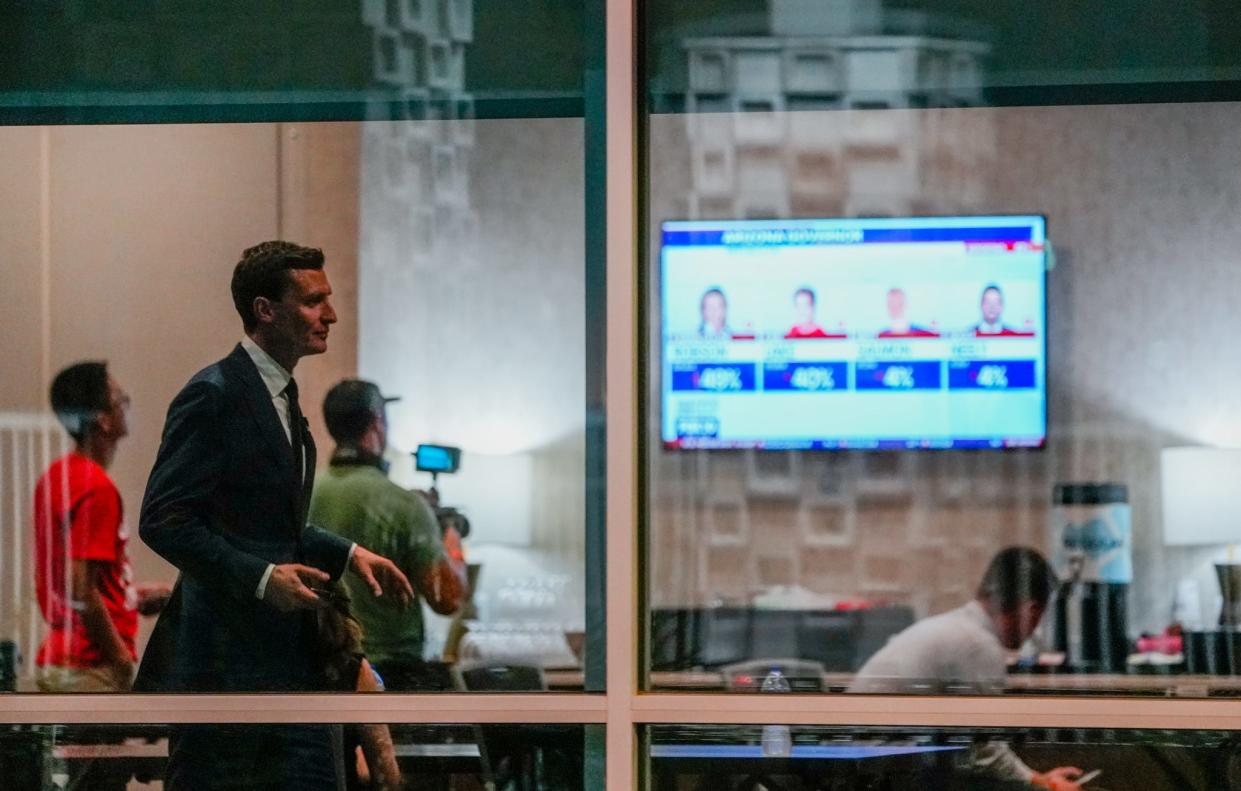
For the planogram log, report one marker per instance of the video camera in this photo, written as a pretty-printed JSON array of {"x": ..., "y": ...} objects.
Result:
[{"x": 437, "y": 459}]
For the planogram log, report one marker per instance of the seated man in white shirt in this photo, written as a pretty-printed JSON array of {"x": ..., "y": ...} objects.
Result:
[{"x": 966, "y": 650}]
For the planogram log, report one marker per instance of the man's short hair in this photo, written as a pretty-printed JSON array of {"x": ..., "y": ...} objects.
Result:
[
  {"x": 1016, "y": 575},
  {"x": 807, "y": 291},
  {"x": 78, "y": 394},
  {"x": 350, "y": 408},
  {"x": 348, "y": 428},
  {"x": 263, "y": 271}
]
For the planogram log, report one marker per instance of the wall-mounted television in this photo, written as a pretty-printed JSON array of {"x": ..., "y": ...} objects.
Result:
[{"x": 892, "y": 333}]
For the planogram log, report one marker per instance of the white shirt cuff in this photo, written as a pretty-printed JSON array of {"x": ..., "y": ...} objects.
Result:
[{"x": 262, "y": 588}]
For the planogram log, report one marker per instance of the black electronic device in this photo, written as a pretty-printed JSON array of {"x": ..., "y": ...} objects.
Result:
[{"x": 437, "y": 458}]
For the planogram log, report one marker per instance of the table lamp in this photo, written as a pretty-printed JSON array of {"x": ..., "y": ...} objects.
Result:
[{"x": 1201, "y": 506}]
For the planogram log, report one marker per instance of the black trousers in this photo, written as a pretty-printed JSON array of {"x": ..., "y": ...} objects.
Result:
[{"x": 259, "y": 757}]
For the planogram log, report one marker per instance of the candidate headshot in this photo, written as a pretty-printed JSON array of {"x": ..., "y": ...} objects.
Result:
[
  {"x": 899, "y": 325},
  {"x": 991, "y": 308},
  {"x": 713, "y": 311},
  {"x": 804, "y": 324}
]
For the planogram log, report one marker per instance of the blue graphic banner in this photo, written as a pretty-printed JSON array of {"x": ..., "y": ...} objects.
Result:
[
  {"x": 784, "y": 237},
  {"x": 991, "y": 375},
  {"x": 714, "y": 377},
  {"x": 899, "y": 376},
  {"x": 705, "y": 426},
  {"x": 806, "y": 377}
]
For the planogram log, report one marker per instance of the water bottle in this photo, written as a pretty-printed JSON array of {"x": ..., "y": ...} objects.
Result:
[{"x": 777, "y": 739}]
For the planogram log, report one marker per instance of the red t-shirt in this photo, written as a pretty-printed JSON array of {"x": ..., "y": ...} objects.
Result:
[{"x": 76, "y": 500}]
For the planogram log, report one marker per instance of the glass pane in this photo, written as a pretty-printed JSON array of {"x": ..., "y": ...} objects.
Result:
[
  {"x": 986, "y": 759},
  {"x": 952, "y": 53},
  {"x": 84, "y": 61},
  {"x": 901, "y": 320},
  {"x": 456, "y": 252},
  {"x": 308, "y": 756}
]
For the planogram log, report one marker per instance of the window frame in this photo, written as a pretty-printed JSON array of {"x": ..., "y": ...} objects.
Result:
[{"x": 623, "y": 708}]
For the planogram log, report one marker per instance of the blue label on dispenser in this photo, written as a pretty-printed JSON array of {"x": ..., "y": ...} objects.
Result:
[{"x": 1099, "y": 538}]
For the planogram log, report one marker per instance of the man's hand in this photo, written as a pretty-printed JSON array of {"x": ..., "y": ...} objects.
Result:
[
  {"x": 288, "y": 587},
  {"x": 452, "y": 545},
  {"x": 1062, "y": 778},
  {"x": 382, "y": 576},
  {"x": 443, "y": 584}
]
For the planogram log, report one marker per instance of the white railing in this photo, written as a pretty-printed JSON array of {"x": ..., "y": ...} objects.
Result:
[{"x": 29, "y": 441}]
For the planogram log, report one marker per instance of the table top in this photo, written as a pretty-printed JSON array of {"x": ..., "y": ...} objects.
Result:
[
  {"x": 830, "y": 752},
  {"x": 159, "y": 749},
  {"x": 1176, "y": 685}
]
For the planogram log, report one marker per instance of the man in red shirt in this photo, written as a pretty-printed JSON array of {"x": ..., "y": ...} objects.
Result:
[{"x": 82, "y": 572}]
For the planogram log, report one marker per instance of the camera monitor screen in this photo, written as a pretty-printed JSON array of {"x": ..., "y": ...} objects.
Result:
[
  {"x": 854, "y": 333},
  {"x": 437, "y": 458}
]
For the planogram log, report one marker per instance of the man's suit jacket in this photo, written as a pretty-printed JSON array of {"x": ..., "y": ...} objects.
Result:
[{"x": 223, "y": 501}]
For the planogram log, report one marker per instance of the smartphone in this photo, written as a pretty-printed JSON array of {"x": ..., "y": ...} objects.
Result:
[{"x": 1089, "y": 776}]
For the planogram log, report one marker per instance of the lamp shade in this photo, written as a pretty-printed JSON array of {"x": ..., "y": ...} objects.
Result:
[{"x": 1201, "y": 496}]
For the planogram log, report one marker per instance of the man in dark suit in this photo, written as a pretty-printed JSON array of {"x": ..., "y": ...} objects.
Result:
[{"x": 226, "y": 504}]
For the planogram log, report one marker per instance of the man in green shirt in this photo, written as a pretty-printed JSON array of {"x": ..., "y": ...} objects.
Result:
[{"x": 356, "y": 500}]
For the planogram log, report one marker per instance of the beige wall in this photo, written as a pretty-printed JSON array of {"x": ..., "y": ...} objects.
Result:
[
  {"x": 478, "y": 320},
  {"x": 1142, "y": 203},
  {"x": 21, "y": 182},
  {"x": 472, "y": 304},
  {"x": 132, "y": 233}
]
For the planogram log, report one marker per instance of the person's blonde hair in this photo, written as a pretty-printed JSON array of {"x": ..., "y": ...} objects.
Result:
[{"x": 339, "y": 638}]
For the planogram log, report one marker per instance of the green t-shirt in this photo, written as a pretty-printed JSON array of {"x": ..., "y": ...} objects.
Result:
[{"x": 359, "y": 503}]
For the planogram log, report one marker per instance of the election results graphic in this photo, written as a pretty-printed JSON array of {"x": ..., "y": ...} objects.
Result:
[{"x": 926, "y": 332}]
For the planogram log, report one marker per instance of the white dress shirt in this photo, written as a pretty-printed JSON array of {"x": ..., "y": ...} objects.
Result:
[
  {"x": 276, "y": 378},
  {"x": 955, "y": 652}
]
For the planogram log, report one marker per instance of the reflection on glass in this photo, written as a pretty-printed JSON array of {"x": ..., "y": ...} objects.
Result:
[
  {"x": 459, "y": 293},
  {"x": 918, "y": 54},
  {"x": 785, "y": 140},
  {"x": 314, "y": 757},
  {"x": 702, "y": 757},
  {"x": 394, "y": 59},
  {"x": 456, "y": 286}
]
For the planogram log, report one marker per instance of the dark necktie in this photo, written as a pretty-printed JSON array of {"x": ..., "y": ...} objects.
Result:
[{"x": 295, "y": 429}]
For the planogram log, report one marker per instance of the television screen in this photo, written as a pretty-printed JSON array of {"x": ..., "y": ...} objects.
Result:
[{"x": 926, "y": 332}]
